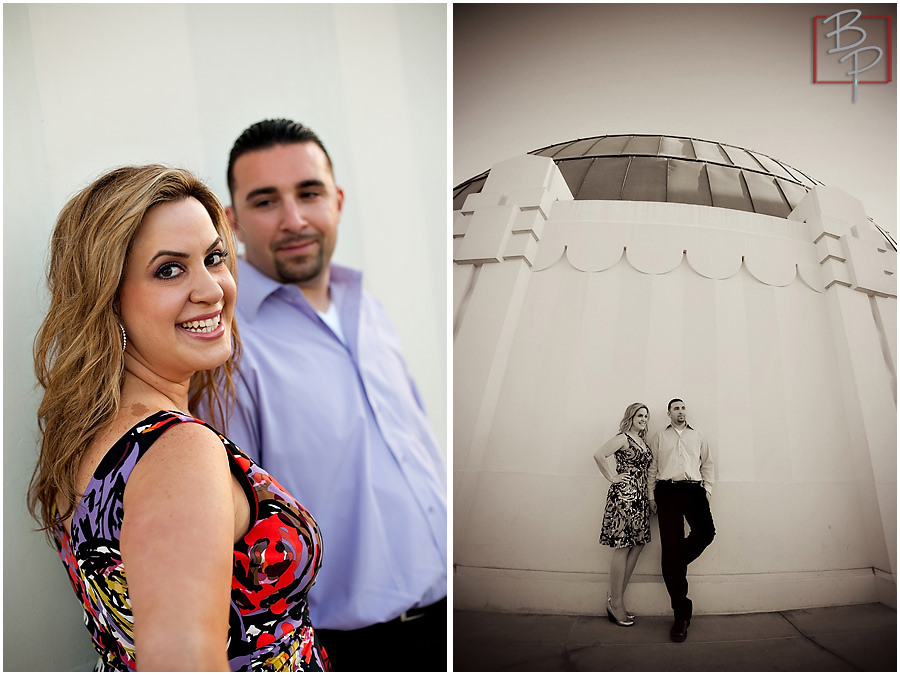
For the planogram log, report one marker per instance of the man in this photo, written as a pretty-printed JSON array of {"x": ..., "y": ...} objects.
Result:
[
  {"x": 681, "y": 477},
  {"x": 326, "y": 404}
]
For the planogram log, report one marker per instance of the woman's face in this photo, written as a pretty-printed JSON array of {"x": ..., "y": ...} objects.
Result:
[
  {"x": 176, "y": 299},
  {"x": 640, "y": 420}
]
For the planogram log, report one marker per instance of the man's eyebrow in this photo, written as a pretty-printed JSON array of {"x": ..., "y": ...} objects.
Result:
[
  {"x": 271, "y": 190},
  {"x": 179, "y": 254}
]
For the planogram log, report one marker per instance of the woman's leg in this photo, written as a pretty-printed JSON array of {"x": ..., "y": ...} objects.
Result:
[
  {"x": 630, "y": 561},
  {"x": 633, "y": 553},
  {"x": 617, "y": 565}
]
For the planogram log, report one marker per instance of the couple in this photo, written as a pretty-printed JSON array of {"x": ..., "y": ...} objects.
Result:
[
  {"x": 187, "y": 551},
  {"x": 671, "y": 475}
]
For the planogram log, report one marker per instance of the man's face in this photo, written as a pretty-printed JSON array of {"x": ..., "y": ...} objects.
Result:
[
  {"x": 286, "y": 212},
  {"x": 677, "y": 413}
]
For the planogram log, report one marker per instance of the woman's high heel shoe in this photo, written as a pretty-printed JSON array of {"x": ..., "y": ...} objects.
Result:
[
  {"x": 612, "y": 617},
  {"x": 627, "y": 613}
]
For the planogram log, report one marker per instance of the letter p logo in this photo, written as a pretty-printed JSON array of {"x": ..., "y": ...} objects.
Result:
[{"x": 873, "y": 39}]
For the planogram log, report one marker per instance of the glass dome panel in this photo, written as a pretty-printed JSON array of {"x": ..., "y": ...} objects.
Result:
[
  {"x": 642, "y": 145},
  {"x": 728, "y": 188},
  {"x": 792, "y": 192},
  {"x": 766, "y": 196},
  {"x": 610, "y": 145},
  {"x": 573, "y": 171},
  {"x": 645, "y": 180},
  {"x": 604, "y": 179},
  {"x": 800, "y": 177},
  {"x": 711, "y": 152},
  {"x": 576, "y": 149},
  {"x": 771, "y": 166},
  {"x": 687, "y": 183},
  {"x": 742, "y": 158},
  {"x": 677, "y": 147}
]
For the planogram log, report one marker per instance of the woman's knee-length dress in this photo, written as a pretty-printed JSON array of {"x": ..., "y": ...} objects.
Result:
[{"x": 626, "y": 520}]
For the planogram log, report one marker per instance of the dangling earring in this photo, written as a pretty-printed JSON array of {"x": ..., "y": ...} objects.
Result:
[{"x": 124, "y": 339}]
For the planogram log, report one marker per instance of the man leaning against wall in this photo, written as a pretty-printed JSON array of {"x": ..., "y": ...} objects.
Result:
[{"x": 680, "y": 481}]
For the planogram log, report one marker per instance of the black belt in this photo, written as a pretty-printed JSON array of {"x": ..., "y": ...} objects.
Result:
[
  {"x": 420, "y": 612},
  {"x": 689, "y": 482}
]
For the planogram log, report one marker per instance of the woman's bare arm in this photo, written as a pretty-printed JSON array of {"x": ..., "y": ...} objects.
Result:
[
  {"x": 617, "y": 442},
  {"x": 177, "y": 544}
]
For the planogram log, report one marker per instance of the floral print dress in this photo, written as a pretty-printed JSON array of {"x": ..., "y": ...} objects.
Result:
[
  {"x": 626, "y": 520},
  {"x": 274, "y": 564}
]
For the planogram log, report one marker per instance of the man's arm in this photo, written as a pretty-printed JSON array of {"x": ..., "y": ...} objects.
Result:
[
  {"x": 706, "y": 465},
  {"x": 242, "y": 426},
  {"x": 653, "y": 470}
]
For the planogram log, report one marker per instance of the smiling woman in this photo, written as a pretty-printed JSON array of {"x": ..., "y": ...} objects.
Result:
[
  {"x": 140, "y": 330},
  {"x": 177, "y": 306}
]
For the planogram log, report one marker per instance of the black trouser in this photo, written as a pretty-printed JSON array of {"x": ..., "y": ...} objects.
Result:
[
  {"x": 677, "y": 502},
  {"x": 418, "y": 644}
]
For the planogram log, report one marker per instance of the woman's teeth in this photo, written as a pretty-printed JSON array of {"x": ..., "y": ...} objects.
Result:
[{"x": 205, "y": 326}]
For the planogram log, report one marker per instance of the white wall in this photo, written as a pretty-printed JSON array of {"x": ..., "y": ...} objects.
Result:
[
  {"x": 90, "y": 87},
  {"x": 768, "y": 328}
]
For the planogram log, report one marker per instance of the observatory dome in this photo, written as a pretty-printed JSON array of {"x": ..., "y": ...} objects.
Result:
[{"x": 677, "y": 169}]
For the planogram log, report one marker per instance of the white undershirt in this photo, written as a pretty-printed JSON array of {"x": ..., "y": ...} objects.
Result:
[{"x": 333, "y": 321}]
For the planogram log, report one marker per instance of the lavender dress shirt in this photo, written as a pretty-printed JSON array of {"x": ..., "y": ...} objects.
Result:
[{"x": 342, "y": 427}]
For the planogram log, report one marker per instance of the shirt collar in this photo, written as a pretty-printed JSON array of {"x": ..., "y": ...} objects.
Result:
[
  {"x": 254, "y": 287},
  {"x": 687, "y": 425}
]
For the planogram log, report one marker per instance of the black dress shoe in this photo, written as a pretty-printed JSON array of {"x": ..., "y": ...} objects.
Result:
[{"x": 679, "y": 630}]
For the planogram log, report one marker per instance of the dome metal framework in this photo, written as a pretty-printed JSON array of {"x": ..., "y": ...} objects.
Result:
[{"x": 677, "y": 169}]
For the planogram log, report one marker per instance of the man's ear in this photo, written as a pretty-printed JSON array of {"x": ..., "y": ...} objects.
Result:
[
  {"x": 340, "y": 199},
  {"x": 232, "y": 220}
]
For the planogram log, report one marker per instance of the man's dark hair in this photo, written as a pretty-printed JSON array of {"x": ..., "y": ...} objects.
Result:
[
  {"x": 674, "y": 400},
  {"x": 268, "y": 134}
]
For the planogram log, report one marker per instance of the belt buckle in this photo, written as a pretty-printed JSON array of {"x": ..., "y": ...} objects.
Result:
[{"x": 411, "y": 615}]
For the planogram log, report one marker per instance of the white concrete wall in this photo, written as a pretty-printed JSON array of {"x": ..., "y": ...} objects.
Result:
[
  {"x": 90, "y": 87},
  {"x": 763, "y": 330}
]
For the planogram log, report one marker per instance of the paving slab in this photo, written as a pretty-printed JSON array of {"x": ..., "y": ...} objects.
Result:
[
  {"x": 479, "y": 656},
  {"x": 869, "y": 651},
  {"x": 655, "y": 629},
  {"x": 589, "y": 631},
  {"x": 831, "y": 639},
  {"x": 849, "y": 618},
  {"x": 778, "y": 655},
  {"x": 515, "y": 628}
]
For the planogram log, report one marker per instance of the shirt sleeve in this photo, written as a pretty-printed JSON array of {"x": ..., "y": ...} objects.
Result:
[
  {"x": 706, "y": 465},
  {"x": 243, "y": 423},
  {"x": 653, "y": 470}
]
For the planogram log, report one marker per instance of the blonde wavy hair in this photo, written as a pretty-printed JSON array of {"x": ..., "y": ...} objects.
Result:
[
  {"x": 628, "y": 419},
  {"x": 78, "y": 357}
]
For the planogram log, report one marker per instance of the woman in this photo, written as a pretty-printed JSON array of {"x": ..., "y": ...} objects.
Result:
[
  {"x": 626, "y": 520},
  {"x": 184, "y": 553}
]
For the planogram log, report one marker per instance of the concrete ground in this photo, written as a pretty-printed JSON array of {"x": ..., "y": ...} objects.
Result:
[{"x": 850, "y": 638}]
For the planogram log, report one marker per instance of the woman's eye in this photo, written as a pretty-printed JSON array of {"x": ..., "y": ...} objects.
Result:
[
  {"x": 169, "y": 271},
  {"x": 216, "y": 258}
]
